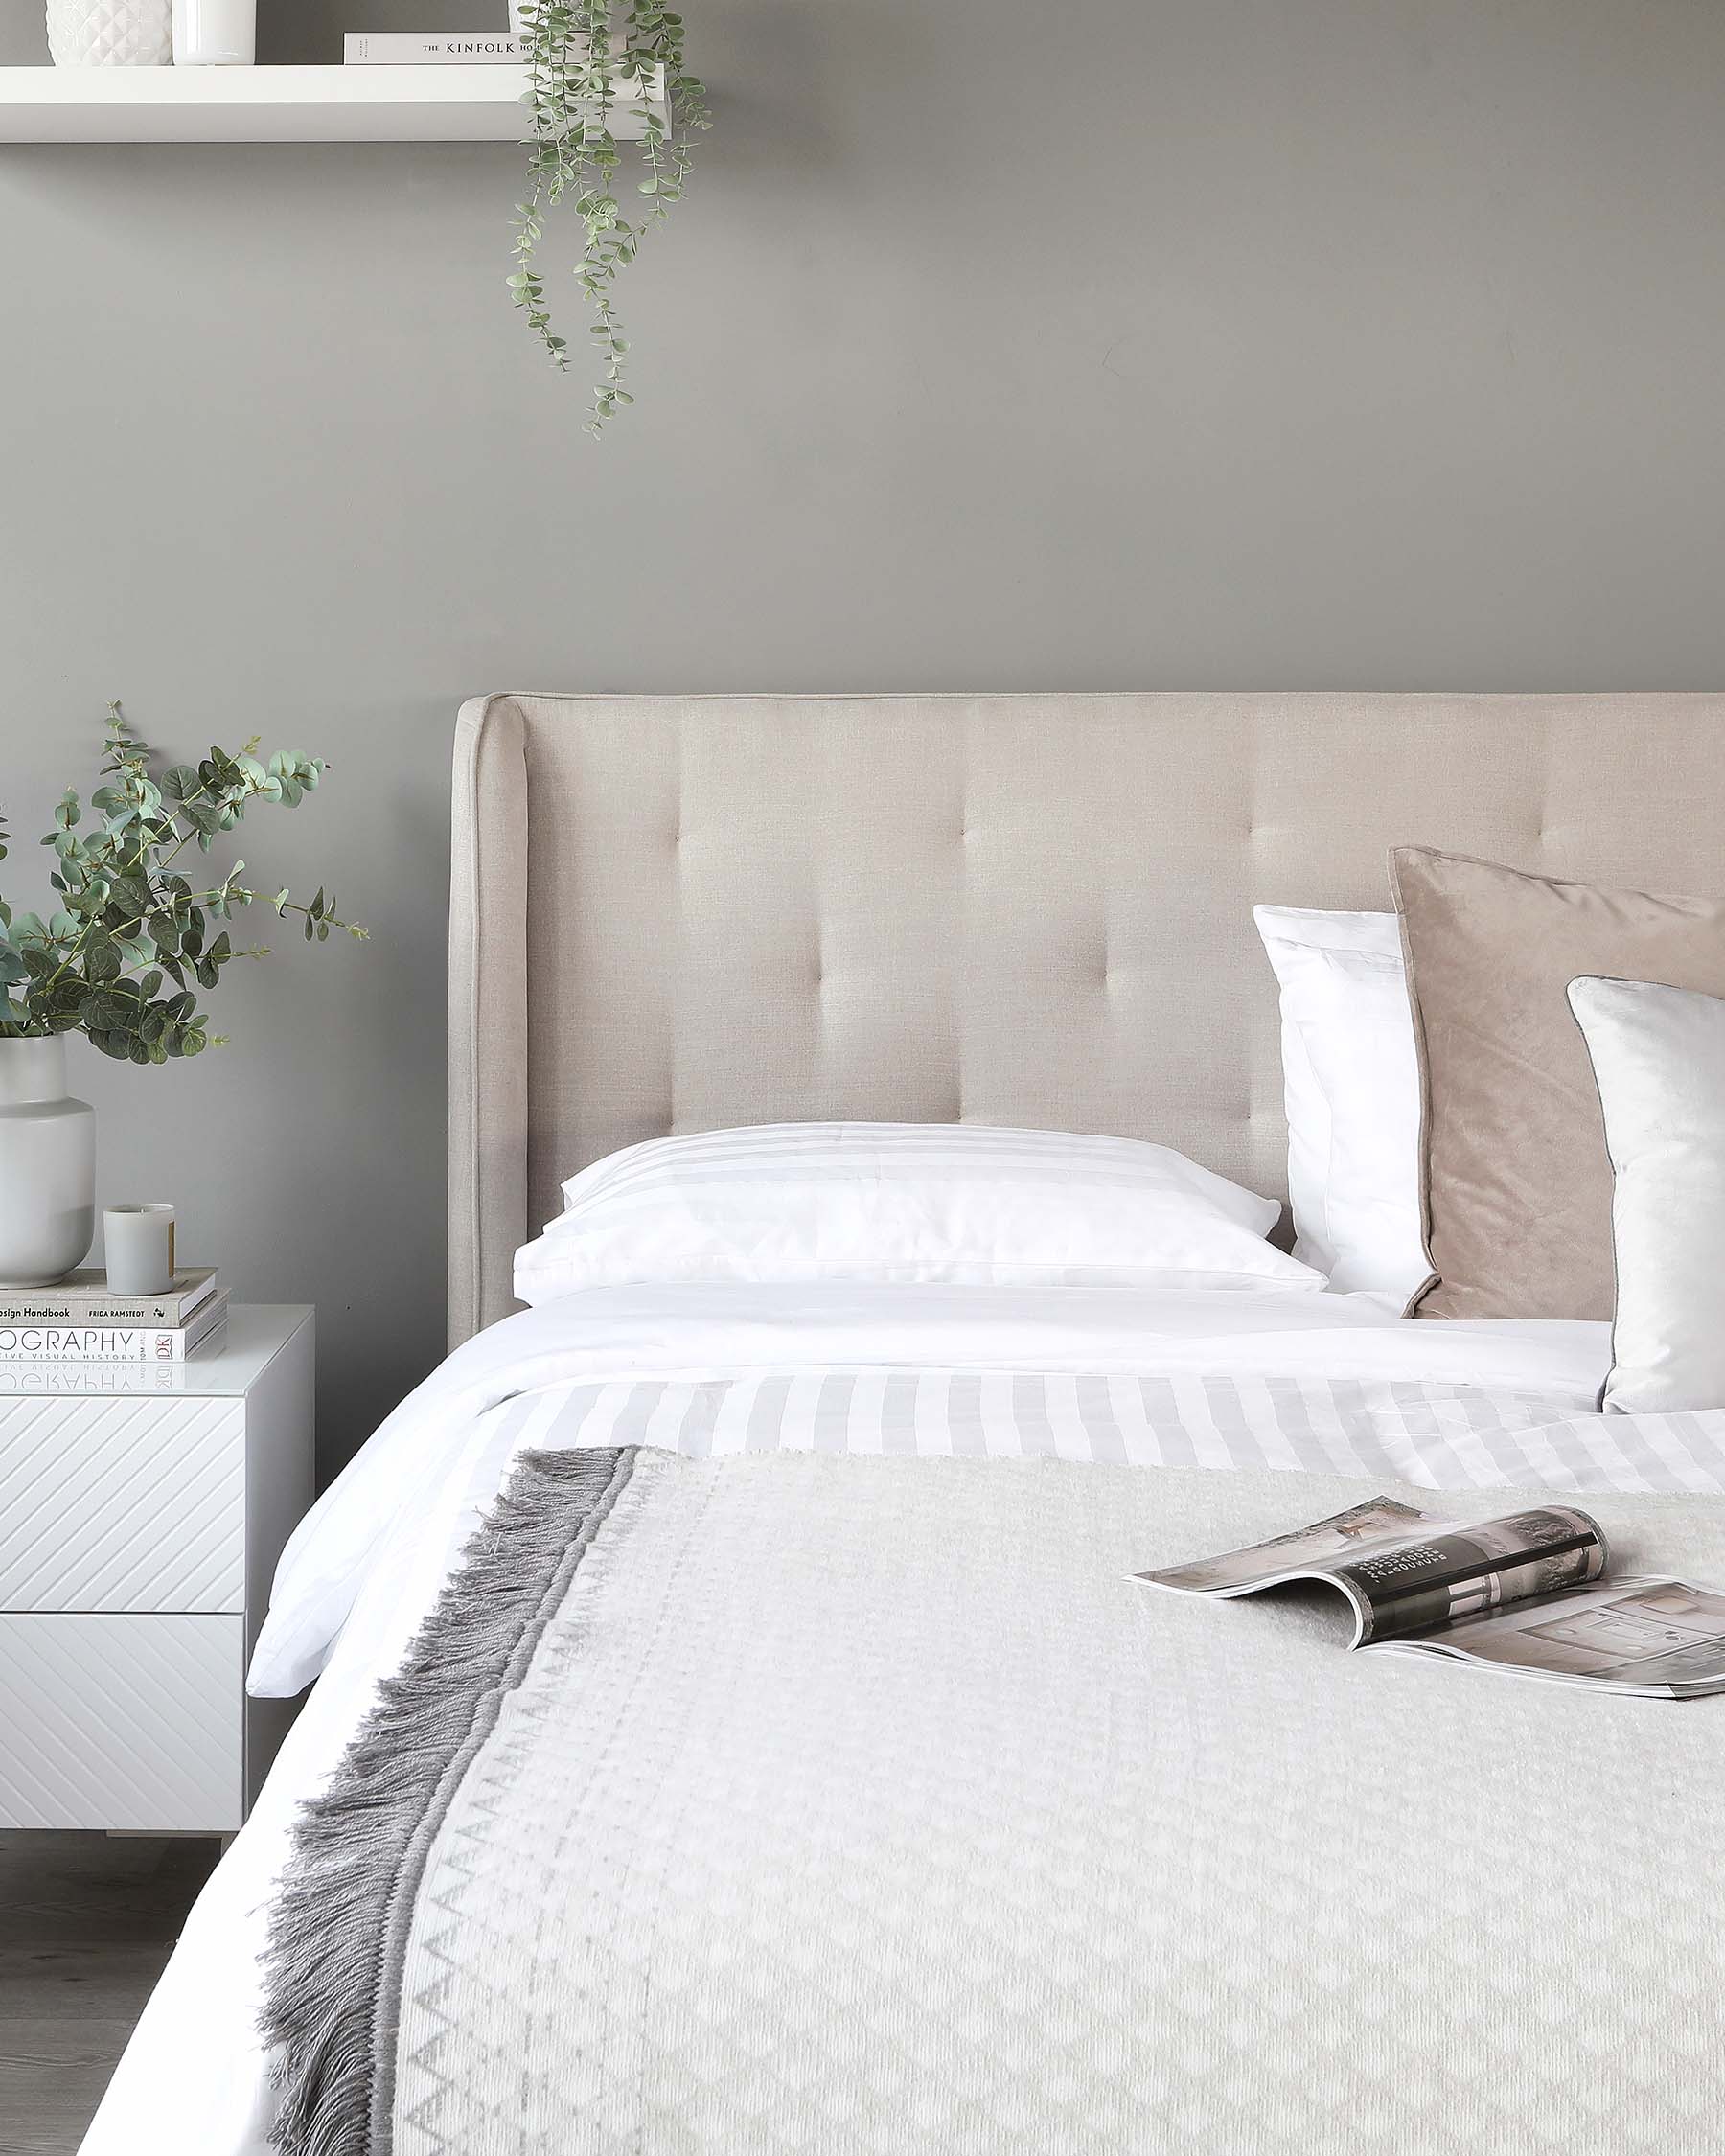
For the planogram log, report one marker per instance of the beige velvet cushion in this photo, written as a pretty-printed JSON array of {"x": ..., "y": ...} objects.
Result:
[{"x": 1515, "y": 1178}]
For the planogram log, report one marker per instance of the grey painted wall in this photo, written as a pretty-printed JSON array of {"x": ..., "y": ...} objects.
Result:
[{"x": 1138, "y": 343}]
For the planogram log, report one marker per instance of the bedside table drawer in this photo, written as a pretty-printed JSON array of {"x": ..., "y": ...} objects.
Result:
[
  {"x": 128, "y": 1722},
  {"x": 123, "y": 1503}
]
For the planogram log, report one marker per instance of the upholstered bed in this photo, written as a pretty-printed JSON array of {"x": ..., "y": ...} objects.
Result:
[
  {"x": 675, "y": 913},
  {"x": 732, "y": 1726}
]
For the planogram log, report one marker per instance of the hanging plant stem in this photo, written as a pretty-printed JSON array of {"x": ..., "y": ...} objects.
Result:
[{"x": 583, "y": 55}]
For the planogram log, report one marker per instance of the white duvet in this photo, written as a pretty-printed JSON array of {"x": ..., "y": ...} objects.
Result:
[{"x": 1211, "y": 1377}]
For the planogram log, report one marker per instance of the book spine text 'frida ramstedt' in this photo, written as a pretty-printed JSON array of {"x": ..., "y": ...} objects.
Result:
[{"x": 110, "y": 1344}]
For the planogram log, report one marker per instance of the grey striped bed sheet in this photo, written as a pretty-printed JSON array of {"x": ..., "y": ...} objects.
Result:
[{"x": 1435, "y": 1435}]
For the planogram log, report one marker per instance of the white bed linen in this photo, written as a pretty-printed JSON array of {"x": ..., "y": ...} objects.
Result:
[
  {"x": 1351, "y": 1089},
  {"x": 370, "y": 1558},
  {"x": 909, "y": 1202}
]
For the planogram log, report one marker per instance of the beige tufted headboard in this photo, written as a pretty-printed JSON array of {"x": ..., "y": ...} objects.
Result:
[{"x": 681, "y": 912}]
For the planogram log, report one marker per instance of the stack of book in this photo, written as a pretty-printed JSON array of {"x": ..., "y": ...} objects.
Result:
[
  {"x": 413, "y": 48},
  {"x": 78, "y": 1320}
]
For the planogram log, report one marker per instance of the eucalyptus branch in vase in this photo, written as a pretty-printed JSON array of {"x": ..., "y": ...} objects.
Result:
[
  {"x": 122, "y": 955},
  {"x": 582, "y": 57}
]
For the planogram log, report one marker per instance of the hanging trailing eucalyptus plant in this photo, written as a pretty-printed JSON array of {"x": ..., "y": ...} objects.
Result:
[{"x": 585, "y": 58}]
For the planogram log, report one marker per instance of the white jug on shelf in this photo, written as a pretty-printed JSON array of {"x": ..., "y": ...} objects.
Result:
[{"x": 215, "y": 32}]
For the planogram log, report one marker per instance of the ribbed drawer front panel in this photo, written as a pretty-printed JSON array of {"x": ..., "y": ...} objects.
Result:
[
  {"x": 130, "y": 1722},
  {"x": 123, "y": 1504}
]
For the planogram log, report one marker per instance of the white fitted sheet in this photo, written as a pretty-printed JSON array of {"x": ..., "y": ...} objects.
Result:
[{"x": 370, "y": 1558}]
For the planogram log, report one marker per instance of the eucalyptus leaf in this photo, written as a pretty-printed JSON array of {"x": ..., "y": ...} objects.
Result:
[{"x": 102, "y": 960}]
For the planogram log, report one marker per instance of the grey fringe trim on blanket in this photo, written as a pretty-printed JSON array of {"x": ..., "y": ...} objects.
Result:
[{"x": 338, "y": 1932}]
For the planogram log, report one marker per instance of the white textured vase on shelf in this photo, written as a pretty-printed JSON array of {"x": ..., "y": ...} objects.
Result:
[
  {"x": 111, "y": 33},
  {"x": 47, "y": 1166}
]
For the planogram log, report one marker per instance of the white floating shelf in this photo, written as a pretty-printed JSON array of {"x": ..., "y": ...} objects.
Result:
[{"x": 432, "y": 103}]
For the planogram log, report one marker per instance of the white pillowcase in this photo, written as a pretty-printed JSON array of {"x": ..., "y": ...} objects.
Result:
[
  {"x": 1351, "y": 1082},
  {"x": 1659, "y": 1057},
  {"x": 913, "y": 1202}
]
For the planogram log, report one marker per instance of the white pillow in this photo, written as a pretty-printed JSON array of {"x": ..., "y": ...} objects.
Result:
[
  {"x": 1659, "y": 1057},
  {"x": 1351, "y": 1083},
  {"x": 913, "y": 1202}
]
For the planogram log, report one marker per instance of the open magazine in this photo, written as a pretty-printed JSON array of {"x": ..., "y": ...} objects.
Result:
[{"x": 1526, "y": 1592}]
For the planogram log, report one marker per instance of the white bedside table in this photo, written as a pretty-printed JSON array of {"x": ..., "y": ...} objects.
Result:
[{"x": 142, "y": 1511}]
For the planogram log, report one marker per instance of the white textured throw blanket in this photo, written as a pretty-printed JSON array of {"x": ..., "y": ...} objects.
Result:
[{"x": 861, "y": 1806}]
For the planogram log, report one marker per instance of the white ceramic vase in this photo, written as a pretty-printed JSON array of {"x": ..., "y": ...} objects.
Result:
[
  {"x": 111, "y": 33},
  {"x": 47, "y": 1166}
]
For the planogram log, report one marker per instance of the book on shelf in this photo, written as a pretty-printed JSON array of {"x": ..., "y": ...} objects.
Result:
[
  {"x": 413, "y": 48},
  {"x": 80, "y": 1343},
  {"x": 84, "y": 1299},
  {"x": 1526, "y": 1593}
]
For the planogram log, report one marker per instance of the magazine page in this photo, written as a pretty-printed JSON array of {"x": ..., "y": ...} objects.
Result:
[
  {"x": 1401, "y": 1580},
  {"x": 1660, "y": 1638},
  {"x": 1381, "y": 1523}
]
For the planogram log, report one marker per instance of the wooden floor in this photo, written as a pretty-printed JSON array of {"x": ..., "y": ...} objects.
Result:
[{"x": 86, "y": 1925}]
